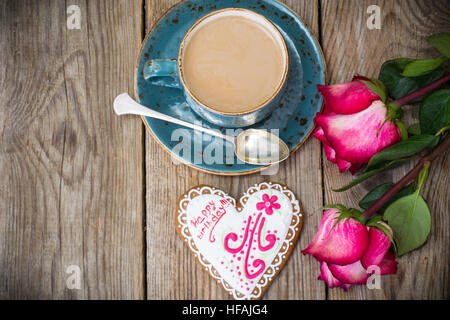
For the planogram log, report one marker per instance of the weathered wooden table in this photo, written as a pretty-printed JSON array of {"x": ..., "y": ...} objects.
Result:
[{"x": 84, "y": 190}]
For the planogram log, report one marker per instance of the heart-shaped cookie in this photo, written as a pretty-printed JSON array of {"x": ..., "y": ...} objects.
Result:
[{"x": 243, "y": 246}]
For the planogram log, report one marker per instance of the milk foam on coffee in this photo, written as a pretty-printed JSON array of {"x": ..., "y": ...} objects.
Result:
[{"x": 233, "y": 63}]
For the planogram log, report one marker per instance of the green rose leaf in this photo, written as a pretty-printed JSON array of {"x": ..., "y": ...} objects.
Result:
[
  {"x": 377, "y": 87},
  {"x": 398, "y": 85},
  {"x": 340, "y": 207},
  {"x": 414, "y": 129},
  {"x": 441, "y": 42},
  {"x": 379, "y": 191},
  {"x": 420, "y": 67},
  {"x": 401, "y": 150},
  {"x": 410, "y": 219},
  {"x": 366, "y": 175},
  {"x": 402, "y": 128},
  {"x": 434, "y": 112},
  {"x": 443, "y": 130},
  {"x": 374, "y": 195}
]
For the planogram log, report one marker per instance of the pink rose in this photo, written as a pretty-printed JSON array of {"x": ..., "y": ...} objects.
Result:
[
  {"x": 349, "y": 126},
  {"x": 346, "y": 249}
]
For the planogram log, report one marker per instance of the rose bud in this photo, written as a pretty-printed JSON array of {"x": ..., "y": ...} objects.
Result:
[
  {"x": 347, "y": 248},
  {"x": 353, "y": 125}
]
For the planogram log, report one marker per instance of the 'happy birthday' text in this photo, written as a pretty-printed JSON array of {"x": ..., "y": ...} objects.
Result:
[{"x": 209, "y": 217}]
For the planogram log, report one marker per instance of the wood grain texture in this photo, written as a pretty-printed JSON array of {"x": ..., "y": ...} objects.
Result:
[
  {"x": 80, "y": 185},
  {"x": 71, "y": 170},
  {"x": 172, "y": 271},
  {"x": 350, "y": 48}
]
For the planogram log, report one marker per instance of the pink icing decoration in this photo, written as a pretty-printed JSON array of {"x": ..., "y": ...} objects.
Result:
[
  {"x": 233, "y": 237},
  {"x": 268, "y": 204},
  {"x": 249, "y": 234},
  {"x": 270, "y": 238}
]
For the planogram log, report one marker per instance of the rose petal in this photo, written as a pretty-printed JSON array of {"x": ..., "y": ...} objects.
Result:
[
  {"x": 359, "y": 77},
  {"x": 273, "y": 199},
  {"x": 355, "y": 137},
  {"x": 388, "y": 265},
  {"x": 320, "y": 135},
  {"x": 343, "y": 165},
  {"x": 276, "y": 206},
  {"x": 327, "y": 276},
  {"x": 353, "y": 273},
  {"x": 379, "y": 244},
  {"x": 346, "y": 98},
  {"x": 330, "y": 153},
  {"x": 355, "y": 167},
  {"x": 265, "y": 197},
  {"x": 345, "y": 286},
  {"x": 269, "y": 210},
  {"x": 343, "y": 245}
]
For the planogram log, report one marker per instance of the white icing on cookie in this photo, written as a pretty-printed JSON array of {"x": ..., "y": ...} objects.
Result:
[{"x": 242, "y": 250}]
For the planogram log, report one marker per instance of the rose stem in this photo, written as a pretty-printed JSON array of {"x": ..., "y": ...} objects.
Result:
[
  {"x": 372, "y": 210},
  {"x": 422, "y": 91}
]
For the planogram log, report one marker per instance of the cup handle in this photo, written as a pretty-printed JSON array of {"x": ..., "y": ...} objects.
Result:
[{"x": 162, "y": 72}]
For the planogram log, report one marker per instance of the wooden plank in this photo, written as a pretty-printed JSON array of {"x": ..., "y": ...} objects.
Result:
[
  {"x": 172, "y": 272},
  {"x": 350, "y": 48},
  {"x": 72, "y": 170}
]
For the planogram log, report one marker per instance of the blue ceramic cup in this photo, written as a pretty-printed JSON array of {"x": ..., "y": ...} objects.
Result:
[{"x": 169, "y": 73}]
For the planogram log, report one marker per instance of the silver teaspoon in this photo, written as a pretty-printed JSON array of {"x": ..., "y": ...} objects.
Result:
[{"x": 252, "y": 146}]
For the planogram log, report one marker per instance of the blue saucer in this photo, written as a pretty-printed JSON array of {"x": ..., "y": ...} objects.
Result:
[{"x": 297, "y": 108}]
